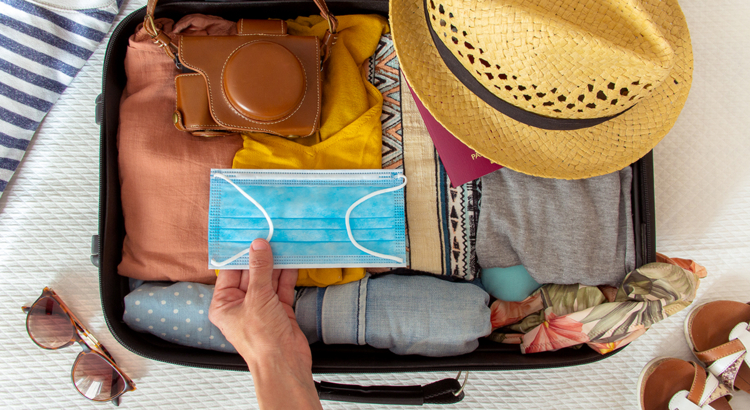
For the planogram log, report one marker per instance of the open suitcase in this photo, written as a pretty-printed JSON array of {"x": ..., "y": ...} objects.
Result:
[{"x": 107, "y": 245}]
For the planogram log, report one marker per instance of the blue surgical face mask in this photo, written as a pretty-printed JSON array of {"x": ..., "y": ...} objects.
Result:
[{"x": 312, "y": 219}]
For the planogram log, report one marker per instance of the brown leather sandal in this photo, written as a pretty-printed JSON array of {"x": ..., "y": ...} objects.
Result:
[
  {"x": 673, "y": 384},
  {"x": 717, "y": 332}
]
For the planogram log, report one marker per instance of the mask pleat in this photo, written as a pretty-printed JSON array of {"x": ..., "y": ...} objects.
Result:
[
  {"x": 308, "y": 235},
  {"x": 305, "y": 223},
  {"x": 304, "y": 202}
]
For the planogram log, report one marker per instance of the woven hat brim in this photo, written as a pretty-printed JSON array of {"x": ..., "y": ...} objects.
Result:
[{"x": 582, "y": 153}]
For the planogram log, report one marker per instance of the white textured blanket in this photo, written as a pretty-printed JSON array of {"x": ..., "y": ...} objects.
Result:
[{"x": 50, "y": 210}]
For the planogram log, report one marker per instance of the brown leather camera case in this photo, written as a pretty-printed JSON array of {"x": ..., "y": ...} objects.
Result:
[{"x": 261, "y": 80}]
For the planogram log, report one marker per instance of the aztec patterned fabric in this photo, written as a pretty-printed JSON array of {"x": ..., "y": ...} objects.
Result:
[{"x": 441, "y": 220}]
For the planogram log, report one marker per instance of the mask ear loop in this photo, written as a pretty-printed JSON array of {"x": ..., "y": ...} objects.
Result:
[
  {"x": 349, "y": 228},
  {"x": 268, "y": 219}
]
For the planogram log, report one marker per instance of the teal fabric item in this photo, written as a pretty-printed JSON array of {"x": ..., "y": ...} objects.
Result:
[{"x": 512, "y": 284}]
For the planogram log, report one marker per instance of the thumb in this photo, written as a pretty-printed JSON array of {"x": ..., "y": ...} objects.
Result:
[{"x": 260, "y": 266}]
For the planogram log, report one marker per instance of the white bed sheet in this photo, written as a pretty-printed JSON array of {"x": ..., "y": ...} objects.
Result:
[{"x": 50, "y": 211}]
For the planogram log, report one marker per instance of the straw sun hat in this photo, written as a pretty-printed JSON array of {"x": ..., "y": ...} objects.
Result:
[{"x": 554, "y": 88}]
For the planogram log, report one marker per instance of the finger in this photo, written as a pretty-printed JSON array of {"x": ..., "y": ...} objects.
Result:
[
  {"x": 287, "y": 280},
  {"x": 260, "y": 268},
  {"x": 245, "y": 277},
  {"x": 275, "y": 279},
  {"x": 228, "y": 279}
]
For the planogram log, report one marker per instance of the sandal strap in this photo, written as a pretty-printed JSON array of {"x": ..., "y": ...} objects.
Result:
[
  {"x": 725, "y": 360},
  {"x": 705, "y": 389},
  {"x": 721, "y": 351},
  {"x": 698, "y": 388}
]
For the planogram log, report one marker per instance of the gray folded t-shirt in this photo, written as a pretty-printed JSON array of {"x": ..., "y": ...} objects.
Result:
[{"x": 561, "y": 231}]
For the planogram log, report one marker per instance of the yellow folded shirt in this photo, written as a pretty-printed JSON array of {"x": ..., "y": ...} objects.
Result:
[{"x": 350, "y": 135}]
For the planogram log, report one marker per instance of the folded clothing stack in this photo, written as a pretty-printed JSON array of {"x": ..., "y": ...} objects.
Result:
[
  {"x": 407, "y": 314},
  {"x": 426, "y": 315}
]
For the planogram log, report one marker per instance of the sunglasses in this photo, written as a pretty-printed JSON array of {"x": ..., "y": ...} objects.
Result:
[{"x": 51, "y": 325}]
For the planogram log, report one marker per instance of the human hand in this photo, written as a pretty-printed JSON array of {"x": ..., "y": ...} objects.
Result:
[{"x": 253, "y": 309}]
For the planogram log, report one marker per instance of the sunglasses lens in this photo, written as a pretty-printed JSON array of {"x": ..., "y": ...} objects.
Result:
[
  {"x": 96, "y": 379},
  {"x": 49, "y": 325}
]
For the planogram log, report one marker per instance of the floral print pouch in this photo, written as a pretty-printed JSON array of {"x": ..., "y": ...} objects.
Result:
[{"x": 605, "y": 318}]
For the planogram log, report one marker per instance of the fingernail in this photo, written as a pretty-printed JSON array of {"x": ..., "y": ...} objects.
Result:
[{"x": 259, "y": 245}]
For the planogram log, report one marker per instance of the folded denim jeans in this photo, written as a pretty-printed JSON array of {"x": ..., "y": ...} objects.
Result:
[{"x": 407, "y": 314}]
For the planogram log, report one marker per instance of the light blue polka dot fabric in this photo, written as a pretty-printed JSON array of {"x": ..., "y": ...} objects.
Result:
[{"x": 176, "y": 312}]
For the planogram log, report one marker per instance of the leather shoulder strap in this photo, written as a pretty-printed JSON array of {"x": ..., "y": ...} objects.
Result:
[
  {"x": 170, "y": 48},
  {"x": 329, "y": 38},
  {"x": 161, "y": 39},
  {"x": 151, "y": 6},
  {"x": 332, "y": 22}
]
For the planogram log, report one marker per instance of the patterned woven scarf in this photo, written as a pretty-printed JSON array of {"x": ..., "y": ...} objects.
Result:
[{"x": 441, "y": 220}]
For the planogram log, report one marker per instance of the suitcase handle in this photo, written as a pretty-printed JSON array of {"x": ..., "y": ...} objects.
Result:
[{"x": 446, "y": 391}]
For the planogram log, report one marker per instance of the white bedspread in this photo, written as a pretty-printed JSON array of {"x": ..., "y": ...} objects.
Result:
[{"x": 50, "y": 210}]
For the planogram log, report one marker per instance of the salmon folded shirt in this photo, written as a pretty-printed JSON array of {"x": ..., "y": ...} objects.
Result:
[
  {"x": 164, "y": 173},
  {"x": 350, "y": 135}
]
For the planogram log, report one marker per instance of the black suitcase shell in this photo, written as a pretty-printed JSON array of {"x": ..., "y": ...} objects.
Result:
[{"x": 107, "y": 245}]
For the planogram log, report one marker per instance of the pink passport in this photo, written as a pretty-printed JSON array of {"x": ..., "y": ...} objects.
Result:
[{"x": 461, "y": 163}]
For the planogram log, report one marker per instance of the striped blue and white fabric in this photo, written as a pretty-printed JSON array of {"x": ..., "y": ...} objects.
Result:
[{"x": 43, "y": 45}]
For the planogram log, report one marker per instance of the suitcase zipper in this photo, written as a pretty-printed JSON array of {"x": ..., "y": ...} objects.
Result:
[{"x": 646, "y": 170}]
